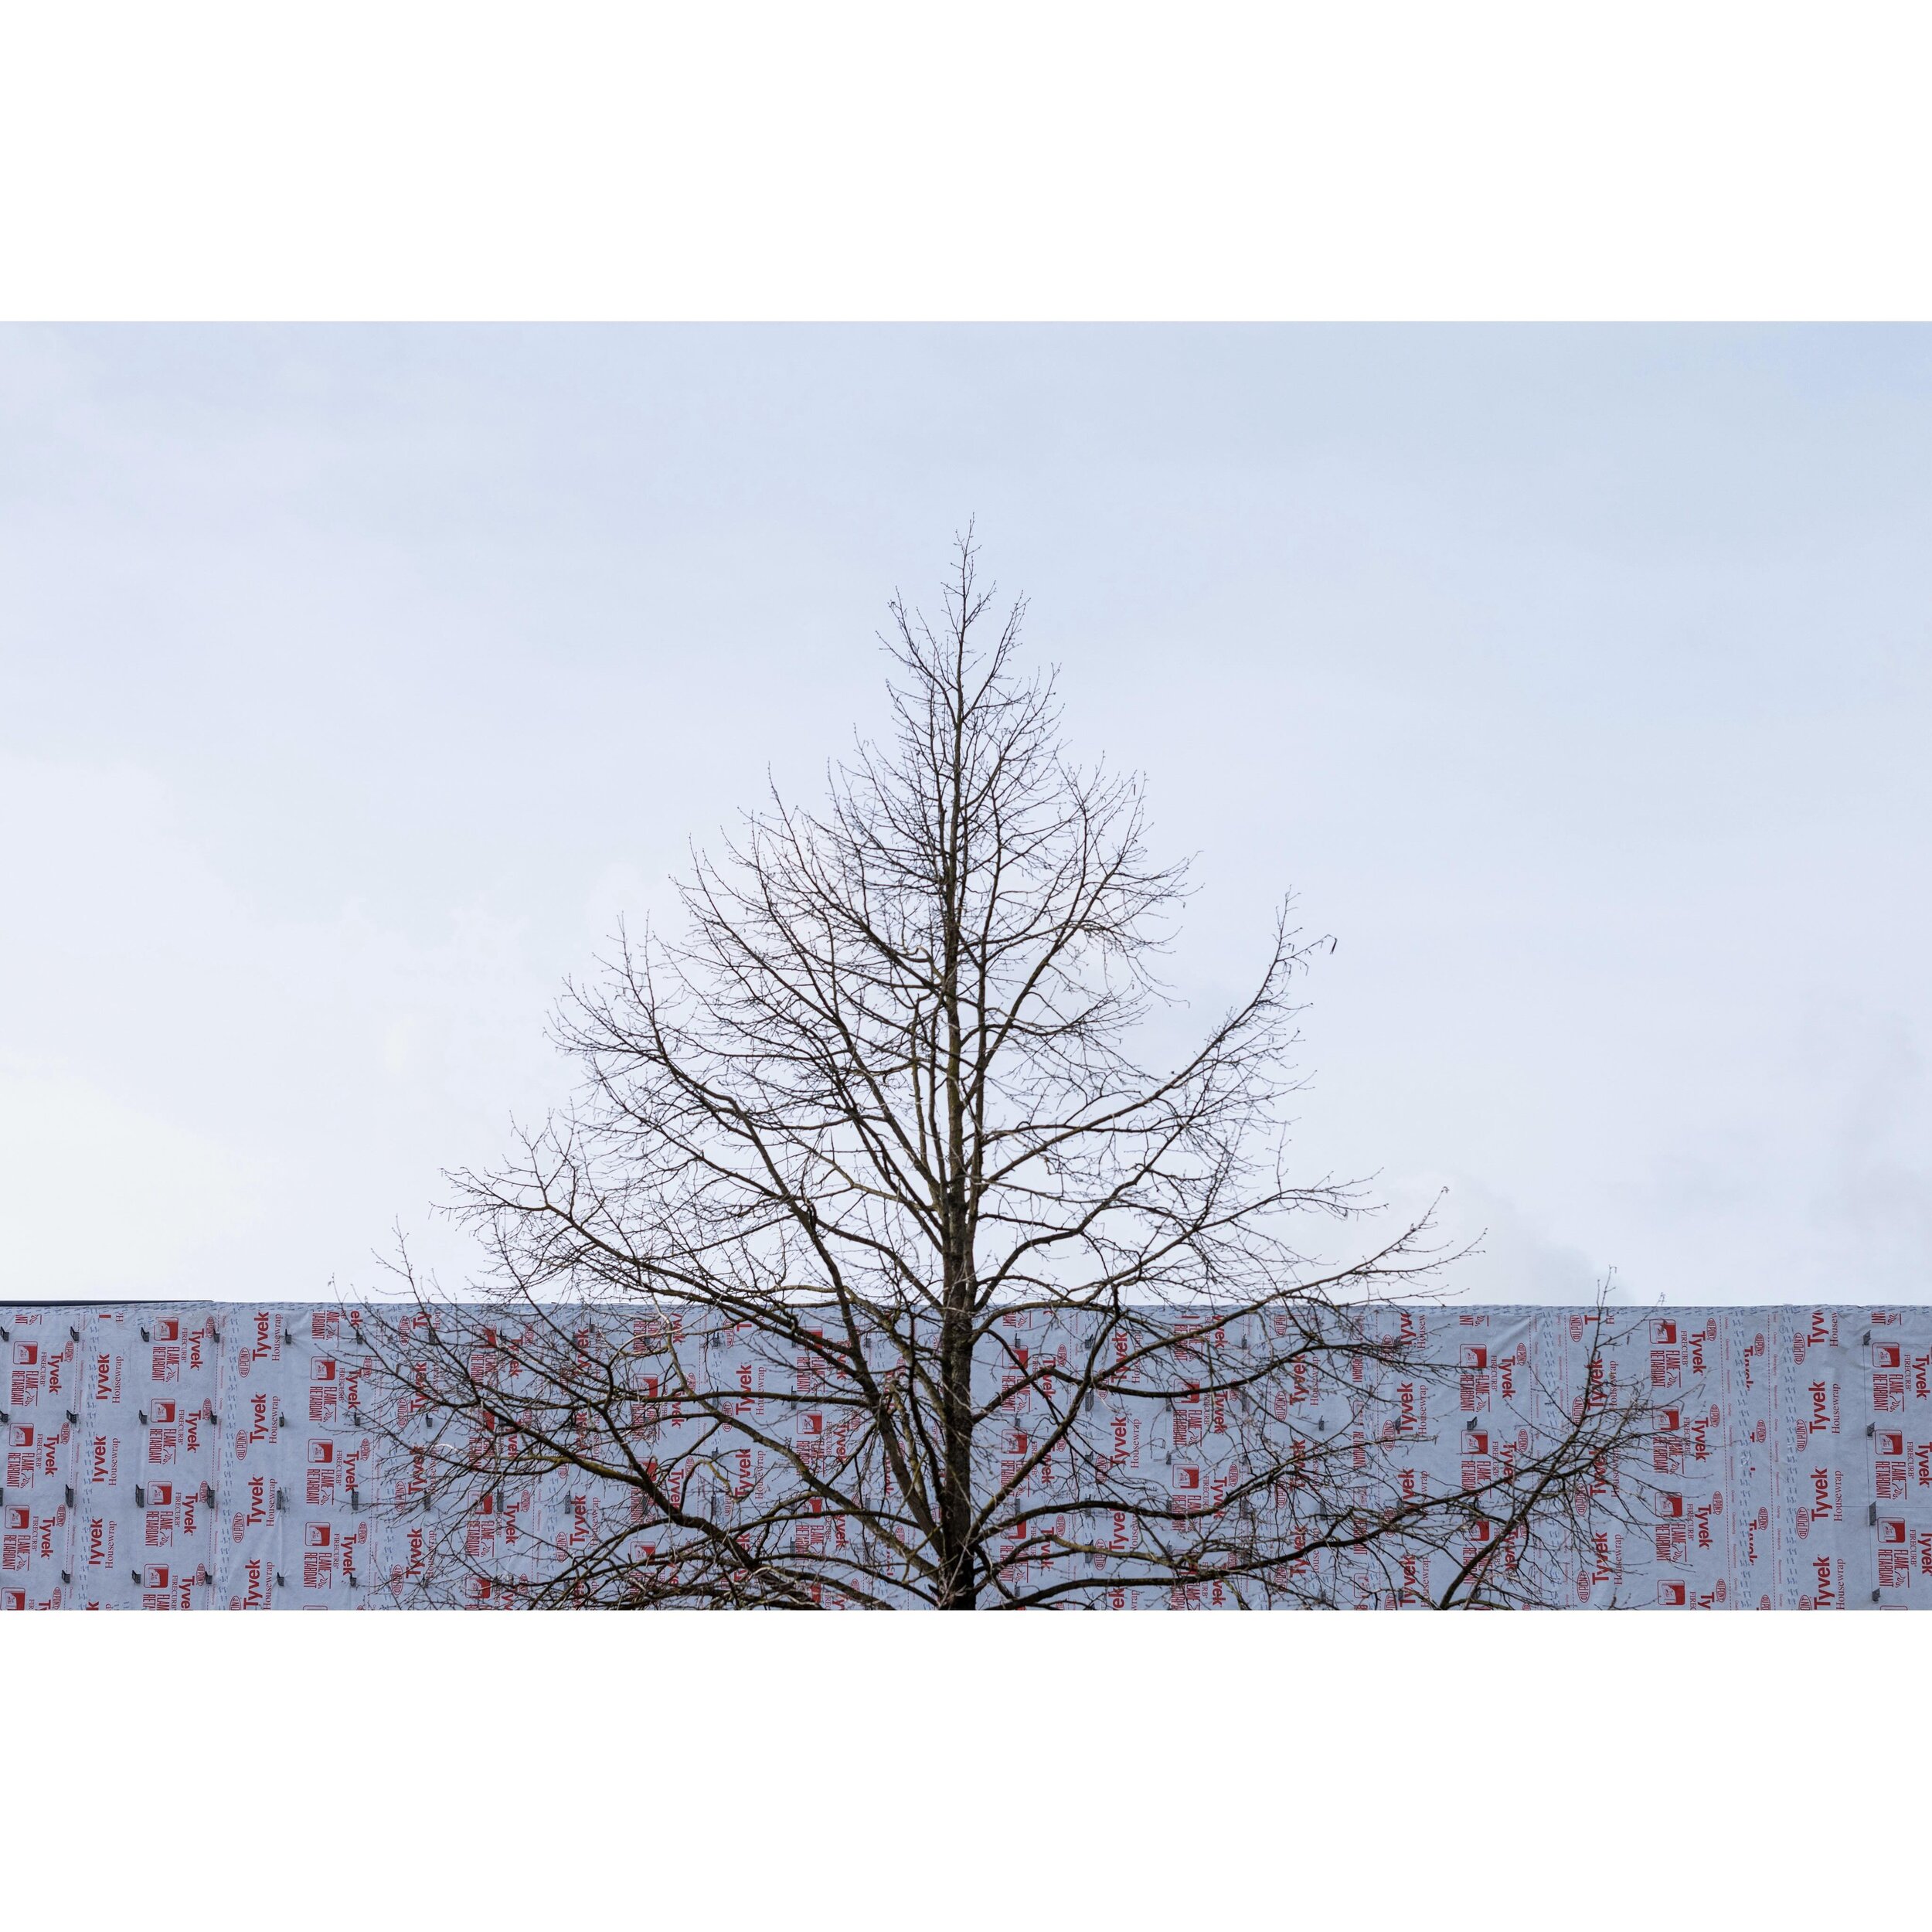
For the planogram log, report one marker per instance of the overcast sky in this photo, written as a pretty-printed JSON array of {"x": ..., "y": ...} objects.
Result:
[{"x": 352, "y": 681}]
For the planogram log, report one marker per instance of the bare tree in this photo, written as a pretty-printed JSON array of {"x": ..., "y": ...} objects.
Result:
[{"x": 873, "y": 1266}]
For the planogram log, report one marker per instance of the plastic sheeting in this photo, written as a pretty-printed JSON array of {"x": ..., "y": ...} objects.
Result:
[{"x": 215, "y": 1456}]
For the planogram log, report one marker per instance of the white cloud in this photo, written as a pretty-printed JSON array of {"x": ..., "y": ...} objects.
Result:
[{"x": 98, "y": 1197}]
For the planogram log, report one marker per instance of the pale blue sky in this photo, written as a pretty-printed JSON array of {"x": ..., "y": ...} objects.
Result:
[{"x": 351, "y": 681}]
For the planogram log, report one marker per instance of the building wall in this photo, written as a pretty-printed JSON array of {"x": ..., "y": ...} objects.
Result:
[{"x": 214, "y": 1456}]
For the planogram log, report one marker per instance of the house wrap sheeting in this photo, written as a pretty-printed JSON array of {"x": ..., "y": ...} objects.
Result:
[{"x": 214, "y": 1456}]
